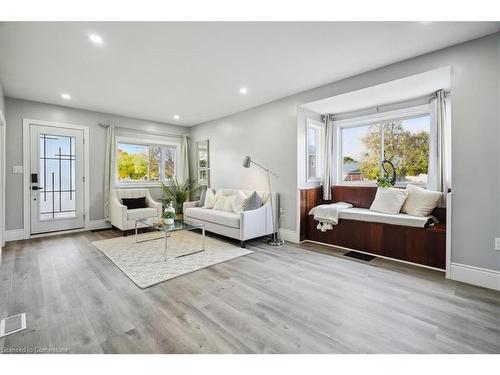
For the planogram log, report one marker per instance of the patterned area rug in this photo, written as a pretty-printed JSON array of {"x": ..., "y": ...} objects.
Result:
[{"x": 144, "y": 263}]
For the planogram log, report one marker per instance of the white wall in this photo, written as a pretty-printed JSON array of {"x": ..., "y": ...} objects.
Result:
[
  {"x": 17, "y": 109},
  {"x": 269, "y": 134}
]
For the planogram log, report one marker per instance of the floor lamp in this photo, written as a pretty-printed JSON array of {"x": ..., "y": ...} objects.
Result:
[{"x": 276, "y": 240}]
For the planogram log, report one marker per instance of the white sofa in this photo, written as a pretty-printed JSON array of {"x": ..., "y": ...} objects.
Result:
[
  {"x": 244, "y": 226},
  {"x": 123, "y": 218}
]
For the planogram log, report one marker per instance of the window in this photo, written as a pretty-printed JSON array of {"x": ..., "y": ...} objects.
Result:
[
  {"x": 315, "y": 140},
  {"x": 404, "y": 141},
  {"x": 138, "y": 162}
]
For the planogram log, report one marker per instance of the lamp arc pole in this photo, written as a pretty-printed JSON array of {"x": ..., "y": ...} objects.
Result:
[{"x": 276, "y": 240}]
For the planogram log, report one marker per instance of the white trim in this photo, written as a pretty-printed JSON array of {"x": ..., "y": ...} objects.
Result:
[
  {"x": 289, "y": 235},
  {"x": 448, "y": 235},
  {"x": 375, "y": 255},
  {"x": 26, "y": 171},
  {"x": 319, "y": 149},
  {"x": 475, "y": 275},
  {"x": 98, "y": 224},
  {"x": 14, "y": 235}
]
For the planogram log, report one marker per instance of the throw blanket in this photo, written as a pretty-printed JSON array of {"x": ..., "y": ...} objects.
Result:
[{"x": 328, "y": 214}]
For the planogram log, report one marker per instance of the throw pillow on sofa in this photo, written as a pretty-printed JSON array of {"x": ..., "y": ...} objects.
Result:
[
  {"x": 389, "y": 200},
  {"x": 253, "y": 202},
  {"x": 239, "y": 202},
  {"x": 209, "y": 199},
  {"x": 203, "y": 194},
  {"x": 223, "y": 203},
  {"x": 420, "y": 201}
]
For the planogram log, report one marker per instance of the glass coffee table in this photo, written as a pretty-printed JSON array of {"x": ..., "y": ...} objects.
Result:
[{"x": 160, "y": 225}]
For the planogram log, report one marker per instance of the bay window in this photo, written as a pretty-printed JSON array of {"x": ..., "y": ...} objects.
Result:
[{"x": 402, "y": 137}]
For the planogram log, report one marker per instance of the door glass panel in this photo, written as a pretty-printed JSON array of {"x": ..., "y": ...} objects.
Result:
[{"x": 57, "y": 177}]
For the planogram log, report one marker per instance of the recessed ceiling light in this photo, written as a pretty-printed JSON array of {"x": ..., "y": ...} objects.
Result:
[
  {"x": 66, "y": 96},
  {"x": 176, "y": 117},
  {"x": 96, "y": 39},
  {"x": 243, "y": 90}
]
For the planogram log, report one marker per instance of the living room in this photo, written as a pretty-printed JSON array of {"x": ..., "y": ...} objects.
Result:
[{"x": 196, "y": 187}]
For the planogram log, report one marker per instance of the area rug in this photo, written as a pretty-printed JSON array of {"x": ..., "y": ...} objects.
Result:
[{"x": 144, "y": 263}]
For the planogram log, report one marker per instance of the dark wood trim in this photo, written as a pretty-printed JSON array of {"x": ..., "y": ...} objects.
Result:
[{"x": 426, "y": 246}]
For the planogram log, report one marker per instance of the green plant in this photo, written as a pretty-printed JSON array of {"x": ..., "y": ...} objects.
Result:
[
  {"x": 177, "y": 193},
  {"x": 168, "y": 214},
  {"x": 384, "y": 181}
]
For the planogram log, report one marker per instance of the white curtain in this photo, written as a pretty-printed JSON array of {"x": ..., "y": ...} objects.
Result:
[
  {"x": 108, "y": 170},
  {"x": 184, "y": 162},
  {"x": 328, "y": 158},
  {"x": 440, "y": 144}
]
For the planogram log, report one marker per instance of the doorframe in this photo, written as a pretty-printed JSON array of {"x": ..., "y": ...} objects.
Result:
[
  {"x": 3, "y": 154},
  {"x": 26, "y": 173}
]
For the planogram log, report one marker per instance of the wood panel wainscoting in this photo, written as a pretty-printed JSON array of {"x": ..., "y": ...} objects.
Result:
[{"x": 424, "y": 246}]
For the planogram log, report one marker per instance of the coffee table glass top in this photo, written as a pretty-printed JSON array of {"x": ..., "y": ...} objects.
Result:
[{"x": 160, "y": 224}]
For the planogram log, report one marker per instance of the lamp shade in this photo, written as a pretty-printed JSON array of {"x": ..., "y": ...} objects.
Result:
[{"x": 246, "y": 162}]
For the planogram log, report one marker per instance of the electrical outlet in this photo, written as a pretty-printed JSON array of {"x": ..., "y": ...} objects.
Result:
[{"x": 497, "y": 243}]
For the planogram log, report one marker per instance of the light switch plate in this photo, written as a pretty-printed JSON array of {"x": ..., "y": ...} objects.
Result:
[
  {"x": 497, "y": 243},
  {"x": 17, "y": 169}
]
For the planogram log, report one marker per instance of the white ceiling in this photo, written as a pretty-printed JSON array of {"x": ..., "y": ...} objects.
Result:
[
  {"x": 399, "y": 90},
  {"x": 154, "y": 70}
]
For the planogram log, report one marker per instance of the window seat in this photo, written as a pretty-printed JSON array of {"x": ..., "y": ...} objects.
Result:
[{"x": 365, "y": 214}]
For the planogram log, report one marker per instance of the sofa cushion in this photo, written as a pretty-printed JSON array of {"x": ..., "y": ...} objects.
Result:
[
  {"x": 141, "y": 213},
  {"x": 229, "y": 219},
  {"x": 209, "y": 199}
]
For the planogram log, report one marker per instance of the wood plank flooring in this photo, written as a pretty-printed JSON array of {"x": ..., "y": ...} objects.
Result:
[{"x": 294, "y": 299}]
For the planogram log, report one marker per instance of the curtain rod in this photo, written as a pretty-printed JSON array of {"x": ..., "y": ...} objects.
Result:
[
  {"x": 143, "y": 131},
  {"x": 376, "y": 108}
]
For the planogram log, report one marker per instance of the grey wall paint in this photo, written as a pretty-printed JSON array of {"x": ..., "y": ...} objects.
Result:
[
  {"x": 17, "y": 109},
  {"x": 269, "y": 134},
  {"x": 2, "y": 103}
]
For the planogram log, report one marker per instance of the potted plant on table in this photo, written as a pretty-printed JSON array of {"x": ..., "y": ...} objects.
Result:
[
  {"x": 177, "y": 193},
  {"x": 169, "y": 216}
]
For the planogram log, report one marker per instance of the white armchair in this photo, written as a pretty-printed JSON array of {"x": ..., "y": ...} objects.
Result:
[{"x": 123, "y": 218}]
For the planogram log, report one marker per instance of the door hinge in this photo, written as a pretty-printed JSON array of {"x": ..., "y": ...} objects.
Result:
[{"x": 83, "y": 178}]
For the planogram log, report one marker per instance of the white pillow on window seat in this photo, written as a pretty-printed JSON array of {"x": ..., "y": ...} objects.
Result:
[
  {"x": 389, "y": 200},
  {"x": 223, "y": 203},
  {"x": 420, "y": 201}
]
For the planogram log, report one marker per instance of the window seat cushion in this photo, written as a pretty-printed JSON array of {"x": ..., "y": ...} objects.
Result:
[{"x": 364, "y": 214}]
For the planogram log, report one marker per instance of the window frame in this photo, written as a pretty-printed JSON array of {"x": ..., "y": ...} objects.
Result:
[
  {"x": 400, "y": 114},
  {"x": 148, "y": 143},
  {"x": 320, "y": 126}
]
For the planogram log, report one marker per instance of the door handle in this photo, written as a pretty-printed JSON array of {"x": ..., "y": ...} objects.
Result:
[{"x": 36, "y": 188}]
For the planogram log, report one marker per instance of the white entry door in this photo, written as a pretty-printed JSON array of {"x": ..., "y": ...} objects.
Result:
[{"x": 56, "y": 180}]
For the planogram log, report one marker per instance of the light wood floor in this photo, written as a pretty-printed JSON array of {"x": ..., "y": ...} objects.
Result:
[{"x": 276, "y": 300}]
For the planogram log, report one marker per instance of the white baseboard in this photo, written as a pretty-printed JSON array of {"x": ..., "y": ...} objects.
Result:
[
  {"x": 98, "y": 224},
  {"x": 14, "y": 235},
  {"x": 475, "y": 275},
  {"x": 289, "y": 235}
]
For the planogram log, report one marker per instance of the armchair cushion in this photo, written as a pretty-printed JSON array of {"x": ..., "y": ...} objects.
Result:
[{"x": 141, "y": 213}]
